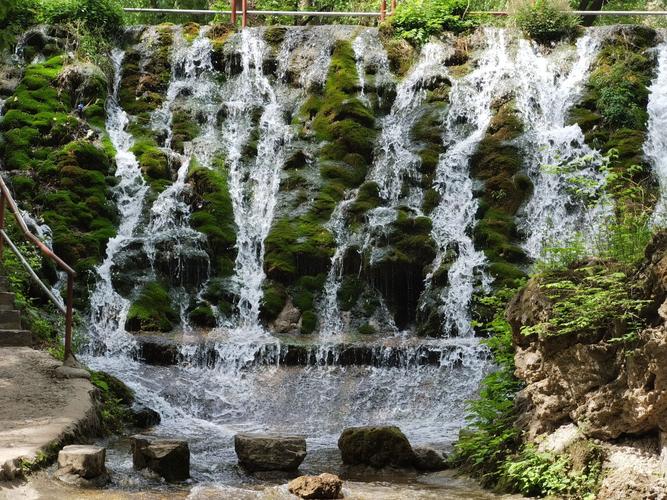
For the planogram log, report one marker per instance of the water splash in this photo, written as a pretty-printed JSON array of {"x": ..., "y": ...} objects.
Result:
[
  {"x": 548, "y": 85},
  {"x": 656, "y": 143},
  {"x": 469, "y": 116},
  {"x": 108, "y": 309},
  {"x": 370, "y": 53}
]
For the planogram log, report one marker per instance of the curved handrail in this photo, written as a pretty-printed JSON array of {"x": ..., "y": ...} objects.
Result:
[{"x": 6, "y": 198}]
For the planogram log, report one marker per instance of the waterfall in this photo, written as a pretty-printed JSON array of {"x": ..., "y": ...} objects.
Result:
[
  {"x": 253, "y": 183},
  {"x": 108, "y": 309},
  {"x": 468, "y": 118},
  {"x": 548, "y": 85},
  {"x": 656, "y": 143},
  {"x": 169, "y": 233},
  {"x": 369, "y": 52}
]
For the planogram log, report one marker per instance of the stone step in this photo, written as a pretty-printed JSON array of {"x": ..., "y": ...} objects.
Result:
[
  {"x": 15, "y": 338},
  {"x": 7, "y": 299},
  {"x": 10, "y": 320}
]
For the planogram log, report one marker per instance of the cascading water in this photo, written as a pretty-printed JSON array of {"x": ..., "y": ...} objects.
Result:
[
  {"x": 548, "y": 85},
  {"x": 656, "y": 144},
  {"x": 370, "y": 53},
  {"x": 468, "y": 118},
  {"x": 108, "y": 308},
  {"x": 253, "y": 183}
]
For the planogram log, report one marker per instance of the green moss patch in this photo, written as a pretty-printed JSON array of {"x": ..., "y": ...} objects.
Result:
[{"x": 152, "y": 310}]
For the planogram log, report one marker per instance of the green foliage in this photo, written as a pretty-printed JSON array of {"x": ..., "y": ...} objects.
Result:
[
  {"x": 591, "y": 299},
  {"x": 116, "y": 399},
  {"x": 152, "y": 310},
  {"x": 542, "y": 474},
  {"x": 418, "y": 20},
  {"x": 101, "y": 17},
  {"x": 491, "y": 436},
  {"x": 15, "y": 17},
  {"x": 544, "y": 21}
]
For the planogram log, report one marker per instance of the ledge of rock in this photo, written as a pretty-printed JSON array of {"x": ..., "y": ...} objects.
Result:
[
  {"x": 38, "y": 410},
  {"x": 169, "y": 458},
  {"x": 264, "y": 452}
]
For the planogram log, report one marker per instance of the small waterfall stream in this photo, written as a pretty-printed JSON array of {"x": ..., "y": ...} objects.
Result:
[
  {"x": 468, "y": 118},
  {"x": 108, "y": 308},
  {"x": 547, "y": 87},
  {"x": 656, "y": 143}
]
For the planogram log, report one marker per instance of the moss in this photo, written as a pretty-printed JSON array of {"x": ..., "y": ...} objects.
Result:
[
  {"x": 64, "y": 179},
  {"x": 308, "y": 322},
  {"x": 153, "y": 161},
  {"x": 400, "y": 53},
  {"x": 152, "y": 310},
  {"x": 275, "y": 35},
  {"x": 213, "y": 214},
  {"x": 273, "y": 300},
  {"x": 367, "y": 329},
  {"x": 190, "y": 31},
  {"x": 612, "y": 112},
  {"x": 183, "y": 128},
  {"x": 301, "y": 247},
  {"x": 203, "y": 316},
  {"x": 116, "y": 399},
  {"x": 349, "y": 292}
]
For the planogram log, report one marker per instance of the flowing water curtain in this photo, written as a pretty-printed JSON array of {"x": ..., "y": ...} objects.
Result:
[
  {"x": 549, "y": 82},
  {"x": 469, "y": 116},
  {"x": 655, "y": 146},
  {"x": 108, "y": 309},
  {"x": 395, "y": 165}
]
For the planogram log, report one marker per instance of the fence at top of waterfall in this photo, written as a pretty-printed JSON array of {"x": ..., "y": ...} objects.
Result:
[{"x": 381, "y": 15}]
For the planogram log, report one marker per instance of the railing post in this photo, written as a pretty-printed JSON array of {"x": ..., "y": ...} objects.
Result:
[
  {"x": 2, "y": 223},
  {"x": 393, "y": 7},
  {"x": 233, "y": 12},
  {"x": 244, "y": 13},
  {"x": 383, "y": 10},
  {"x": 68, "y": 317}
]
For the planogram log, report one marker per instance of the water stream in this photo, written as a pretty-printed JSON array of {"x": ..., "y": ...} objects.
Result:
[{"x": 656, "y": 143}]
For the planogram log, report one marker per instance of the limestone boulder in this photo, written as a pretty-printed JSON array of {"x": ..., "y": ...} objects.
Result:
[
  {"x": 169, "y": 458},
  {"x": 265, "y": 452},
  {"x": 84, "y": 461},
  {"x": 377, "y": 446},
  {"x": 324, "y": 486}
]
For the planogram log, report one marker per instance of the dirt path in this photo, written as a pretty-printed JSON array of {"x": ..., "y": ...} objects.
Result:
[{"x": 39, "y": 411}]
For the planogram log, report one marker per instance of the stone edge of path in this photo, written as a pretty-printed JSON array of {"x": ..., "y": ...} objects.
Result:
[{"x": 77, "y": 421}]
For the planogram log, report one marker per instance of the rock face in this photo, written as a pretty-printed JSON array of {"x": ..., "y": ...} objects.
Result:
[
  {"x": 607, "y": 388},
  {"x": 261, "y": 452},
  {"x": 322, "y": 486},
  {"x": 381, "y": 446},
  {"x": 169, "y": 458},
  {"x": 428, "y": 459},
  {"x": 81, "y": 460},
  {"x": 143, "y": 416}
]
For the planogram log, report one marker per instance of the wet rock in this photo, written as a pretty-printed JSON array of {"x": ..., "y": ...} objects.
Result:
[
  {"x": 428, "y": 459},
  {"x": 262, "y": 452},
  {"x": 377, "y": 446},
  {"x": 143, "y": 416},
  {"x": 322, "y": 486},
  {"x": 82, "y": 465},
  {"x": 288, "y": 319},
  {"x": 169, "y": 458}
]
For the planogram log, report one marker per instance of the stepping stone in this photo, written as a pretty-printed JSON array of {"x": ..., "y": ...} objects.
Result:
[
  {"x": 267, "y": 452},
  {"x": 82, "y": 460},
  {"x": 169, "y": 458}
]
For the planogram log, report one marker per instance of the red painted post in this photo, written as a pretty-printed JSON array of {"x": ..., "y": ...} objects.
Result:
[
  {"x": 244, "y": 13},
  {"x": 68, "y": 317},
  {"x": 2, "y": 223},
  {"x": 383, "y": 10},
  {"x": 393, "y": 7},
  {"x": 233, "y": 12}
]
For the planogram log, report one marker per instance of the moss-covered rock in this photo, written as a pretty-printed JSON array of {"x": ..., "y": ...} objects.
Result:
[
  {"x": 63, "y": 163},
  {"x": 152, "y": 310}
]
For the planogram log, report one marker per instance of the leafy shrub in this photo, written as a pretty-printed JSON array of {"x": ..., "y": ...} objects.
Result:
[
  {"x": 417, "y": 20},
  {"x": 544, "y": 21},
  {"x": 541, "y": 474},
  {"x": 15, "y": 16},
  {"x": 104, "y": 17}
]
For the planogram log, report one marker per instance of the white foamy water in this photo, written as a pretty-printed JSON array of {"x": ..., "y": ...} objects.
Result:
[
  {"x": 656, "y": 143},
  {"x": 453, "y": 219},
  {"x": 548, "y": 85}
]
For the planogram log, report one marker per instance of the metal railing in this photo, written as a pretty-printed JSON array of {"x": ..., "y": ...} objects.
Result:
[{"x": 67, "y": 308}]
